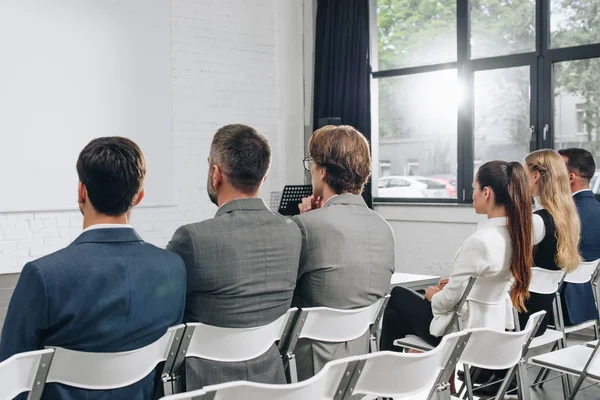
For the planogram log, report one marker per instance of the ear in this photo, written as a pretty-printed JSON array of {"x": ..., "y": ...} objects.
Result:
[
  {"x": 139, "y": 198},
  {"x": 487, "y": 192},
  {"x": 322, "y": 173},
  {"x": 217, "y": 176},
  {"x": 81, "y": 193},
  {"x": 572, "y": 177}
]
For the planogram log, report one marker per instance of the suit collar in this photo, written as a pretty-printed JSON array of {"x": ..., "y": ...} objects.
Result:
[
  {"x": 347, "y": 199},
  {"x": 108, "y": 235},
  {"x": 242, "y": 205},
  {"x": 582, "y": 194},
  {"x": 493, "y": 222}
]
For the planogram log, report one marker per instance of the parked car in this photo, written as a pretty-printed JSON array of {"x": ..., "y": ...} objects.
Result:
[
  {"x": 450, "y": 185},
  {"x": 411, "y": 187}
]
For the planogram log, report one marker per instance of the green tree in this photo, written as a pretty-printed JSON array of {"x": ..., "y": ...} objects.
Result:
[{"x": 579, "y": 24}]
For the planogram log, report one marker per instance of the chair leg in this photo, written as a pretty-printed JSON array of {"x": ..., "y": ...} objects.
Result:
[
  {"x": 468, "y": 382},
  {"x": 522, "y": 384},
  {"x": 596, "y": 330},
  {"x": 578, "y": 384},
  {"x": 373, "y": 344},
  {"x": 292, "y": 370},
  {"x": 504, "y": 387}
]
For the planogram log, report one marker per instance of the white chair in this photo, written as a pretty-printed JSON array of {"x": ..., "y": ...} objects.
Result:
[
  {"x": 330, "y": 325},
  {"x": 230, "y": 344},
  {"x": 586, "y": 272},
  {"x": 25, "y": 372},
  {"x": 330, "y": 383},
  {"x": 106, "y": 371},
  {"x": 495, "y": 350},
  {"x": 405, "y": 375},
  {"x": 580, "y": 360},
  {"x": 416, "y": 343}
]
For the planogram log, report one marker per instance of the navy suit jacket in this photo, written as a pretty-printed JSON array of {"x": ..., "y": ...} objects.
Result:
[
  {"x": 579, "y": 298},
  {"x": 108, "y": 291}
]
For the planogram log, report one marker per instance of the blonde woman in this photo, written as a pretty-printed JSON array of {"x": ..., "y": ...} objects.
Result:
[{"x": 556, "y": 224}]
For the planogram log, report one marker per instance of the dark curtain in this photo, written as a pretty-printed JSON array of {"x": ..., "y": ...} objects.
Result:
[{"x": 342, "y": 68}]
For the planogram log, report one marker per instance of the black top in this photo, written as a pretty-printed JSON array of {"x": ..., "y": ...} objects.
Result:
[{"x": 544, "y": 253}]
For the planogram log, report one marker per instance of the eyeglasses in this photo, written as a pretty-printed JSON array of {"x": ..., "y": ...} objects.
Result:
[{"x": 307, "y": 163}]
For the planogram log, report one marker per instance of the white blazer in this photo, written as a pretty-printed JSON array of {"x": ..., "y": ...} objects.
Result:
[{"x": 487, "y": 255}]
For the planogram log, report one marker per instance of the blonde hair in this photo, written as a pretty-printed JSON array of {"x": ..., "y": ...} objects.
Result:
[{"x": 555, "y": 196}]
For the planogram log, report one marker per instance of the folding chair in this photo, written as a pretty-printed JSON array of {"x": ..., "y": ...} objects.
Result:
[
  {"x": 25, "y": 372},
  {"x": 229, "y": 344},
  {"x": 496, "y": 350},
  {"x": 106, "y": 371},
  {"x": 586, "y": 272},
  {"x": 330, "y": 325},
  {"x": 580, "y": 360},
  {"x": 330, "y": 383},
  {"x": 416, "y": 343},
  {"x": 405, "y": 375}
]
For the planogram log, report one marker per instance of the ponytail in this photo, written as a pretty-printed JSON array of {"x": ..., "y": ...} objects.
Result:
[
  {"x": 520, "y": 221},
  {"x": 511, "y": 190}
]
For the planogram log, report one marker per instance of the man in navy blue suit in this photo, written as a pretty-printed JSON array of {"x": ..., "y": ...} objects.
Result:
[
  {"x": 108, "y": 291},
  {"x": 578, "y": 300}
]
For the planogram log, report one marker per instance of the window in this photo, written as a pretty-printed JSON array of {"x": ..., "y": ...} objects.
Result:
[{"x": 462, "y": 82}]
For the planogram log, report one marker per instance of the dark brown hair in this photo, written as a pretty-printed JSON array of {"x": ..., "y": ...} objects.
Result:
[
  {"x": 243, "y": 154},
  {"x": 511, "y": 190},
  {"x": 112, "y": 170},
  {"x": 344, "y": 153},
  {"x": 580, "y": 162}
]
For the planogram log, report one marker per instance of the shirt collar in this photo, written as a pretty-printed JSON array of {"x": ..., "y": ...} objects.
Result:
[
  {"x": 493, "y": 222},
  {"x": 107, "y": 226},
  {"x": 583, "y": 190}
]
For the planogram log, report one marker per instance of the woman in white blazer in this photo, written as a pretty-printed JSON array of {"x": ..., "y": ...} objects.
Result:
[{"x": 499, "y": 254}]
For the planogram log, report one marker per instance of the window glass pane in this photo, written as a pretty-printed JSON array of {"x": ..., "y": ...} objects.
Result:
[
  {"x": 415, "y": 32},
  {"x": 574, "y": 22},
  {"x": 577, "y": 106},
  {"x": 501, "y": 27},
  {"x": 502, "y": 115},
  {"x": 417, "y": 136}
]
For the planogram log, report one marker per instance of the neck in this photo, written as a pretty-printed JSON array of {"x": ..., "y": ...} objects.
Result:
[
  {"x": 497, "y": 212},
  {"x": 327, "y": 193},
  {"x": 578, "y": 188},
  {"x": 90, "y": 219},
  {"x": 230, "y": 195}
]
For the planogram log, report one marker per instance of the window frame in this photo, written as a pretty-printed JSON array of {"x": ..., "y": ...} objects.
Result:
[{"x": 539, "y": 61}]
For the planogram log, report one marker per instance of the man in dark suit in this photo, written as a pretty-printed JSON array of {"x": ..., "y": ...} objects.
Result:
[
  {"x": 578, "y": 299},
  {"x": 243, "y": 263},
  {"x": 108, "y": 291}
]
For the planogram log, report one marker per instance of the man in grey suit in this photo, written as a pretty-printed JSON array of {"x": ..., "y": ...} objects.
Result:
[
  {"x": 242, "y": 264},
  {"x": 347, "y": 258}
]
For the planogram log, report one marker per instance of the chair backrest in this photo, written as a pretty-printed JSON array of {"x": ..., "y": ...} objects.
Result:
[
  {"x": 329, "y": 383},
  {"x": 456, "y": 319},
  {"x": 331, "y": 325},
  {"x": 25, "y": 372},
  {"x": 544, "y": 281},
  {"x": 497, "y": 350},
  {"x": 233, "y": 344},
  {"x": 583, "y": 273},
  {"x": 391, "y": 374},
  {"x": 105, "y": 371}
]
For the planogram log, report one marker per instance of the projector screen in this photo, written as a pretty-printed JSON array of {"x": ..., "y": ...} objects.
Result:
[{"x": 74, "y": 70}]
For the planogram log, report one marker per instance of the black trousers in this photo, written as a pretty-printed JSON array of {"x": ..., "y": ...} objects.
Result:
[{"x": 407, "y": 313}]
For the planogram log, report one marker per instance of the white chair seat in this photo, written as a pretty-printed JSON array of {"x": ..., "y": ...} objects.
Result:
[
  {"x": 578, "y": 327},
  {"x": 550, "y": 336},
  {"x": 571, "y": 360},
  {"x": 414, "y": 343},
  {"x": 592, "y": 344}
]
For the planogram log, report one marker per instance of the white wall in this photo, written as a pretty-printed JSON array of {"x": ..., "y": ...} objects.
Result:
[
  {"x": 428, "y": 236},
  {"x": 232, "y": 61}
]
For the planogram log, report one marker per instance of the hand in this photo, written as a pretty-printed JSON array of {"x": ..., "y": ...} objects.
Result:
[
  {"x": 443, "y": 282},
  {"x": 431, "y": 291},
  {"x": 310, "y": 203}
]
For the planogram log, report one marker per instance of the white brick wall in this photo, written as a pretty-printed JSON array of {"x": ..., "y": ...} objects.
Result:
[{"x": 233, "y": 61}]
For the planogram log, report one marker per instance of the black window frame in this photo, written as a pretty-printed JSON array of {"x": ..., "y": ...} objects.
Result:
[{"x": 540, "y": 62}]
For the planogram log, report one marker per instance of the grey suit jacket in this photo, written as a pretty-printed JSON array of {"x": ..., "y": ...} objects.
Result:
[
  {"x": 241, "y": 272},
  {"x": 347, "y": 262}
]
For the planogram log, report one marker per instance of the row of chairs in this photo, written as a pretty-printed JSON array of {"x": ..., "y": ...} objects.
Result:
[
  {"x": 388, "y": 374},
  {"x": 29, "y": 372},
  {"x": 543, "y": 282}
]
